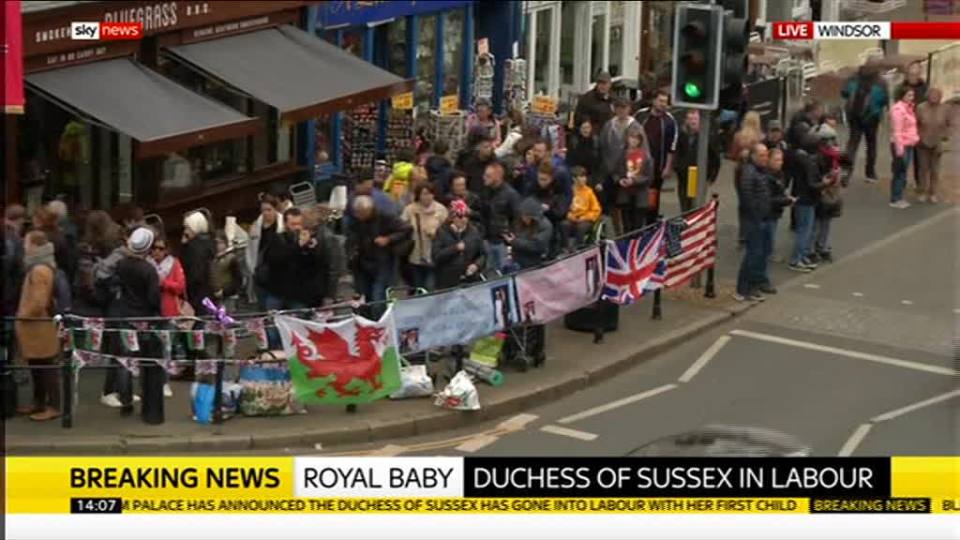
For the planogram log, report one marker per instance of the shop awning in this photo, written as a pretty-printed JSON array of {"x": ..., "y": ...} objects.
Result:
[
  {"x": 299, "y": 74},
  {"x": 161, "y": 115}
]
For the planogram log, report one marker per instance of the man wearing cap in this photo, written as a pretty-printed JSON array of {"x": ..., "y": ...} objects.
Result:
[{"x": 595, "y": 105}]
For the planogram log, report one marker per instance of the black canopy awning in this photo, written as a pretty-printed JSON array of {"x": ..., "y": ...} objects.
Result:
[
  {"x": 299, "y": 74},
  {"x": 161, "y": 115}
]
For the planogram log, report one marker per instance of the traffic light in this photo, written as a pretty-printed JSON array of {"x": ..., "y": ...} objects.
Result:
[
  {"x": 696, "y": 56},
  {"x": 736, "y": 39}
]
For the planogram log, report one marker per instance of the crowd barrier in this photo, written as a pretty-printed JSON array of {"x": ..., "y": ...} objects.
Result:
[{"x": 671, "y": 263}]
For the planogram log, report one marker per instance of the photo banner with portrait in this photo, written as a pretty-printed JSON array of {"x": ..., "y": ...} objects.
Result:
[
  {"x": 456, "y": 317},
  {"x": 562, "y": 287}
]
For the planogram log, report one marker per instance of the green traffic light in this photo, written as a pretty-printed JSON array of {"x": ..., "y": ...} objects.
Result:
[{"x": 692, "y": 90}]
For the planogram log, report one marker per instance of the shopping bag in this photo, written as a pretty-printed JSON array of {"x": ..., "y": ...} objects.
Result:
[
  {"x": 460, "y": 394},
  {"x": 414, "y": 382},
  {"x": 202, "y": 397},
  {"x": 267, "y": 389},
  {"x": 486, "y": 351}
]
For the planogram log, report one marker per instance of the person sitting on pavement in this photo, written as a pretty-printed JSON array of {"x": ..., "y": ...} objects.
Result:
[
  {"x": 458, "y": 249},
  {"x": 373, "y": 242},
  {"x": 37, "y": 341},
  {"x": 584, "y": 211},
  {"x": 502, "y": 208}
]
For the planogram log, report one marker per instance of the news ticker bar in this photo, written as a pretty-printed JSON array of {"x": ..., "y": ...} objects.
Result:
[
  {"x": 455, "y": 484},
  {"x": 790, "y": 30}
]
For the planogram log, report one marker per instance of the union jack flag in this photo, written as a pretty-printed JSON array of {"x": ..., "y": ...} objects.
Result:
[
  {"x": 698, "y": 249},
  {"x": 631, "y": 263}
]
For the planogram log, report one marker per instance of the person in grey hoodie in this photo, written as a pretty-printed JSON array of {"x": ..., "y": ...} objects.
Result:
[
  {"x": 613, "y": 143},
  {"x": 530, "y": 239}
]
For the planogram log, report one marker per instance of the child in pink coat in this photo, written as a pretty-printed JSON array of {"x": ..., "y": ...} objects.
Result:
[{"x": 903, "y": 138}]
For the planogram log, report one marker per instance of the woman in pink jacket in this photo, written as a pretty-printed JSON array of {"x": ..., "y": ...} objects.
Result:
[{"x": 903, "y": 138}]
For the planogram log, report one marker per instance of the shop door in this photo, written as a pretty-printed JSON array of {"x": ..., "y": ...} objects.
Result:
[{"x": 542, "y": 25}]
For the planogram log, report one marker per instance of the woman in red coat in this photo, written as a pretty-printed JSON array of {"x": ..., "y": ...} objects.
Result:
[
  {"x": 173, "y": 285},
  {"x": 173, "y": 282}
]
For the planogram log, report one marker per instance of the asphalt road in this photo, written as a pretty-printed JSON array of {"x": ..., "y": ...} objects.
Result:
[{"x": 856, "y": 358}]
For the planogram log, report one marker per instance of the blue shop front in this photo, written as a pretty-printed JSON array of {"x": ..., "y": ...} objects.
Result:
[{"x": 431, "y": 42}]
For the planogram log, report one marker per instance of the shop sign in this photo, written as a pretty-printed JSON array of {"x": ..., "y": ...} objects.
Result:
[
  {"x": 403, "y": 102},
  {"x": 450, "y": 104},
  {"x": 48, "y": 31},
  {"x": 354, "y": 12},
  {"x": 544, "y": 105}
]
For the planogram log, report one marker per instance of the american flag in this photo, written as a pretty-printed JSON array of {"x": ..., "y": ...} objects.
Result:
[
  {"x": 698, "y": 242},
  {"x": 631, "y": 263}
]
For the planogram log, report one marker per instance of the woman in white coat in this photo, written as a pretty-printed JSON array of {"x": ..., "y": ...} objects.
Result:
[{"x": 263, "y": 233}]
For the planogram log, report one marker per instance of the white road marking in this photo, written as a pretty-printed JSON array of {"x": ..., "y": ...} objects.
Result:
[
  {"x": 907, "y": 302},
  {"x": 707, "y": 355},
  {"x": 854, "y": 441},
  {"x": 517, "y": 422},
  {"x": 918, "y": 405},
  {"x": 919, "y": 366},
  {"x": 811, "y": 286},
  {"x": 956, "y": 311},
  {"x": 477, "y": 443},
  {"x": 616, "y": 404},
  {"x": 389, "y": 450},
  {"x": 567, "y": 432},
  {"x": 857, "y": 294}
]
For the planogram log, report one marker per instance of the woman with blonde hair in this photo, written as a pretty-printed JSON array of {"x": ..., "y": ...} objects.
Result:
[{"x": 748, "y": 136}]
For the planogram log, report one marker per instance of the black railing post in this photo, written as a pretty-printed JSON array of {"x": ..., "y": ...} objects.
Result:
[
  {"x": 657, "y": 310},
  {"x": 710, "y": 290},
  {"x": 66, "y": 399}
]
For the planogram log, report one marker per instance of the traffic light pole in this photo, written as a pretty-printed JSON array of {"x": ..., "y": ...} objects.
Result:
[{"x": 703, "y": 146}]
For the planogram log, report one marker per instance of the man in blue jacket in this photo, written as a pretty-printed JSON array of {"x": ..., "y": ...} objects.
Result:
[{"x": 866, "y": 97}]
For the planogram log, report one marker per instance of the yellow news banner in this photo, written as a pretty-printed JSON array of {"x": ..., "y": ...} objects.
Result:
[{"x": 47, "y": 485}]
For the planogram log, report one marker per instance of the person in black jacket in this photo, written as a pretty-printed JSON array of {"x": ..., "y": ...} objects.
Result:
[
  {"x": 137, "y": 294},
  {"x": 475, "y": 161},
  {"x": 583, "y": 150},
  {"x": 373, "y": 243},
  {"x": 595, "y": 106},
  {"x": 530, "y": 245},
  {"x": 806, "y": 185},
  {"x": 779, "y": 199},
  {"x": 439, "y": 168},
  {"x": 686, "y": 157},
  {"x": 296, "y": 263},
  {"x": 458, "y": 250},
  {"x": 553, "y": 203},
  {"x": 754, "y": 209},
  {"x": 197, "y": 255},
  {"x": 502, "y": 211}
]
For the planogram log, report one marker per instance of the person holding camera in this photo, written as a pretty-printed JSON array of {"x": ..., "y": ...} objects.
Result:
[{"x": 294, "y": 262}]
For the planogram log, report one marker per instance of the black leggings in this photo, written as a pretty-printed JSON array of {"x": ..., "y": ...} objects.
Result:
[
  {"x": 633, "y": 218},
  {"x": 46, "y": 383}
]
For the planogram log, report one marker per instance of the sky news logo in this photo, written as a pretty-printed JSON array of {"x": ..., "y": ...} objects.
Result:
[{"x": 106, "y": 31}]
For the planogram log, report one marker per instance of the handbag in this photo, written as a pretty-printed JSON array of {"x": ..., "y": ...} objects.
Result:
[{"x": 267, "y": 388}]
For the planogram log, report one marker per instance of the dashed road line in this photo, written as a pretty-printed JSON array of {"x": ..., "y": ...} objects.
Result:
[
  {"x": 857, "y": 294},
  {"x": 567, "y": 432},
  {"x": 477, "y": 443},
  {"x": 810, "y": 286},
  {"x": 707, "y": 355},
  {"x": 915, "y": 406},
  {"x": 919, "y": 366},
  {"x": 854, "y": 441},
  {"x": 616, "y": 404},
  {"x": 907, "y": 302}
]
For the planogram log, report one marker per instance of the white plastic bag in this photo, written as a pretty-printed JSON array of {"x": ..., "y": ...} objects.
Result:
[
  {"x": 414, "y": 382},
  {"x": 460, "y": 394}
]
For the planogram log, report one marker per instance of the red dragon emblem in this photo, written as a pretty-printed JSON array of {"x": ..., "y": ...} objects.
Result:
[{"x": 331, "y": 356}]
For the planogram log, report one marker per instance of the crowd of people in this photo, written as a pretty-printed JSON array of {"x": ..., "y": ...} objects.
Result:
[
  {"x": 514, "y": 198},
  {"x": 805, "y": 170}
]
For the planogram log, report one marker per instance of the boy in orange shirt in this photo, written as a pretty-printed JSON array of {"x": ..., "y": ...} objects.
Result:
[{"x": 584, "y": 210}]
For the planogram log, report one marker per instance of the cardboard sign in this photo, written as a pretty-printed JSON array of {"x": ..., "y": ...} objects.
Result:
[
  {"x": 402, "y": 101},
  {"x": 449, "y": 104},
  {"x": 543, "y": 105}
]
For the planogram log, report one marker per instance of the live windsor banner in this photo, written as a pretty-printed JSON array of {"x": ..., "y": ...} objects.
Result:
[{"x": 197, "y": 485}]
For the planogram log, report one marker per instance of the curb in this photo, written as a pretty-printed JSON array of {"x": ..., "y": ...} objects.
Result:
[{"x": 373, "y": 430}]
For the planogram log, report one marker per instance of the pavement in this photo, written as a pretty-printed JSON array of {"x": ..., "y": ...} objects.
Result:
[{"x": 886, "y": 244}]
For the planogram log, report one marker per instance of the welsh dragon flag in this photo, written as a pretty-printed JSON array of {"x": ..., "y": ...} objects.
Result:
[{"x": 341, "y": 363}]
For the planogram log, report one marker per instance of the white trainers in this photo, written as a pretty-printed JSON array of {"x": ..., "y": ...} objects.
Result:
[
  {"x": 900, "y": 205},
  {"x": 167, "y": 391},
  {"x": 922, "y": 198},
  {"x": 136, "y": 398},
  {"x": 934, "y": 199},
  {"x": 111, "y": 400},
  {"x": 871, "y": 180}
]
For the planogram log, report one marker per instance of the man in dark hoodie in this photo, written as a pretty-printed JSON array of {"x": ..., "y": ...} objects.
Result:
[
  {"x": 439, "y": 167},
  {"x": 502, "y": 211},
  {"x": 474, "y": 163},
  {"x": 530, "y": 245},
  {"x": 553, "y": 203}
]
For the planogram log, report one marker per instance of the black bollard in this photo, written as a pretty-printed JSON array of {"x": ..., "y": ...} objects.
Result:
[
  {"x": 218, "y": 394},
  {"x": 657, "y": 311},
  {"x": 66, "y": 399},
  {"x": 151, "y": 384},
  {"x": 352, "y": 408}
]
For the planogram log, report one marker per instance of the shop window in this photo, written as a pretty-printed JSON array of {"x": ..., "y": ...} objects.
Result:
[
  {"x": 616, "y": 50},
  {"x": 397, "y": 52},
  {"x": 426, "y": 64},
  {"x": 453, "y": 52},
  {"x": 598, "y": 42},
  {"x": 568, "y": 31},
  {"x": 541, "y": 73}
]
